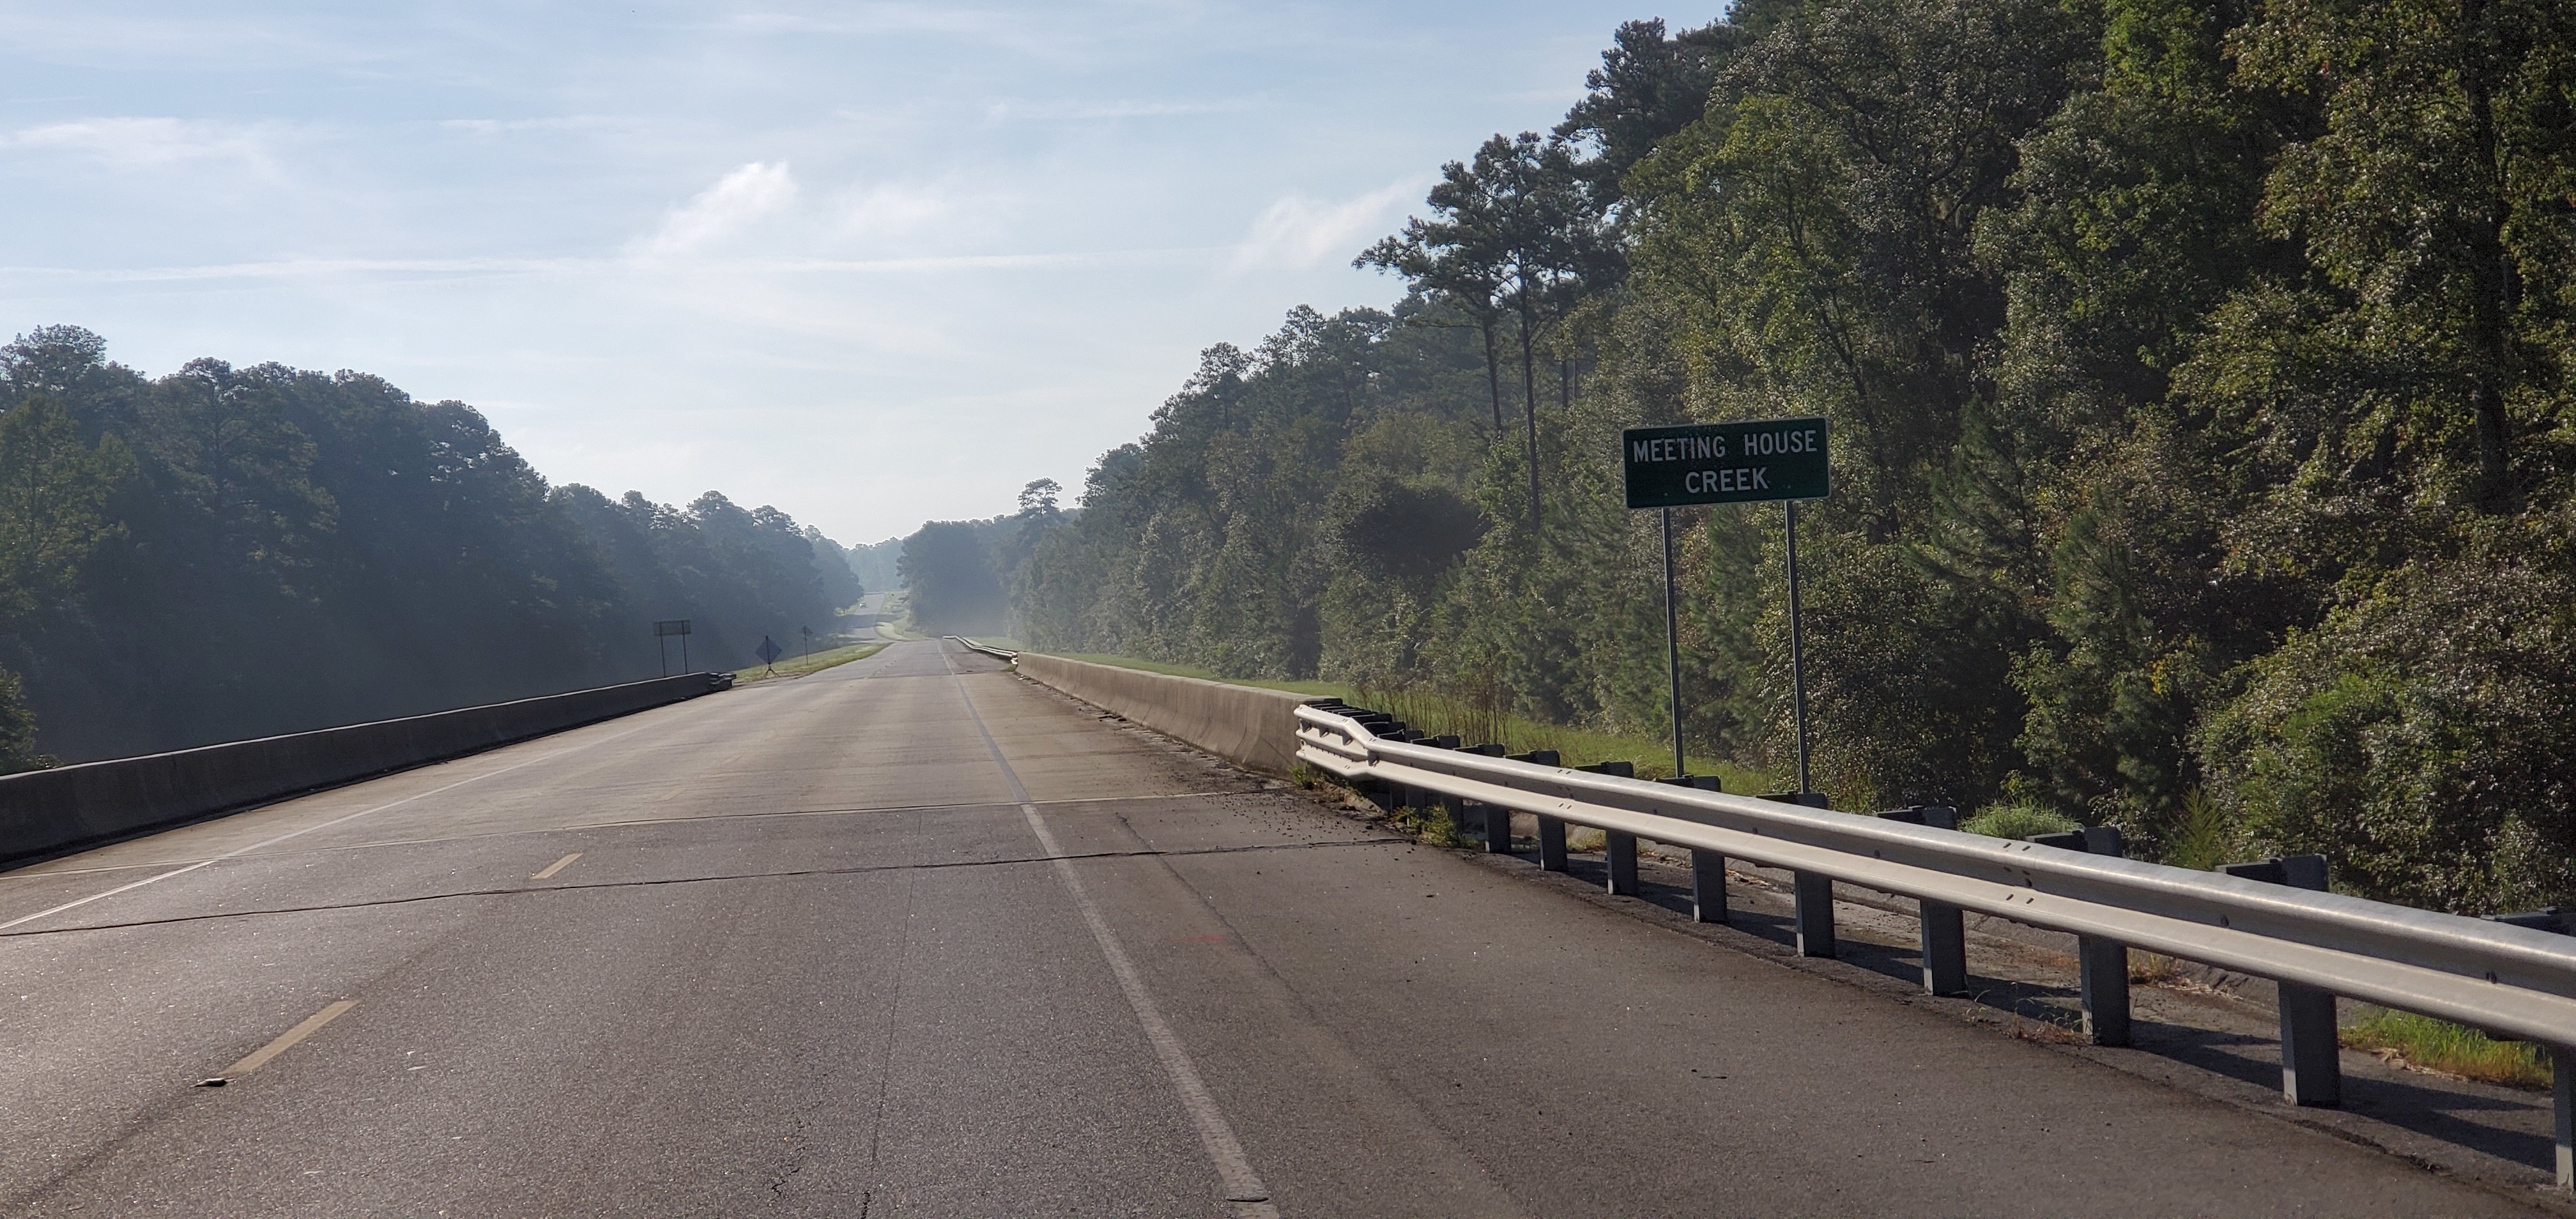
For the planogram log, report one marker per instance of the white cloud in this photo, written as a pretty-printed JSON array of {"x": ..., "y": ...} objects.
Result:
[
  {"x": 148, "y": 143},
  {"x": 1297, "y": 232},
  {"x": 734, "y": 203}
]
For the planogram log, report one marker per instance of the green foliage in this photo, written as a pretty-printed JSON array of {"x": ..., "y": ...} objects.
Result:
[
  {"x": 54, "y": 491},
  {"x": 2439, "y": 1045},
  {"x": 2205, "y": 838},
  {"x": 953, "y": 585},
  {"x": 2200, "y": 374},
  {"x": 230, "y": 552},
  {"x": 17, "y": 729},
  {"x": 2424, "y": 735},
  {"x": 1434, "y": 826},
  {"x": 2018, "y": 821}
]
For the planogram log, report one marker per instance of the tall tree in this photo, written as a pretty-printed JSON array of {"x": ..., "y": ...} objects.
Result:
[
  {"x": 1457, "y": 259},
  {"x": 1518, "y": 227}
]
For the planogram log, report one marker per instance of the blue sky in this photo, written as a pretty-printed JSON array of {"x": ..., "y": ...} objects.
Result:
[{"x": 872, "y": 263}]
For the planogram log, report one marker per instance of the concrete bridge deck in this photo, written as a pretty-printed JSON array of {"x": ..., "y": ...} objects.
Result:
[{"x": 915, "y": 937}]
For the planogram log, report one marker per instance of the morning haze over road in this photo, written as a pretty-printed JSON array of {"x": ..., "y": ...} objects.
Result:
[{"x": 1807, "y": 607}]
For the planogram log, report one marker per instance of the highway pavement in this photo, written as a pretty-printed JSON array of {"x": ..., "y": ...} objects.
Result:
[{"x": 915, "y": 937}]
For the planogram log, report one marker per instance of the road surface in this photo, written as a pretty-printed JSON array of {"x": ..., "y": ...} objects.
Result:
[{"x": 914, "y": 937}]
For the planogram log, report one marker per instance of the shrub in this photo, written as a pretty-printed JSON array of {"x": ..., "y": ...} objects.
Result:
[
  {"x": 2423, "y": 736},
  {"x": 2018, "y": 821}
]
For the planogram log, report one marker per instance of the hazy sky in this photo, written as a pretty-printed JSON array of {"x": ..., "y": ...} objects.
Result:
[{"x": 871, "y": 263}]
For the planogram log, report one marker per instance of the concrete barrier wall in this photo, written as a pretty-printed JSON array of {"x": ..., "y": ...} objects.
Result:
[
  {"x": 46, "y": 811},
  {"x": 1246, "y": 725}
]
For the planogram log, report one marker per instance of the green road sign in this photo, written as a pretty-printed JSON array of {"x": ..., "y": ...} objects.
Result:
[{"x": 1725, "y": 463}]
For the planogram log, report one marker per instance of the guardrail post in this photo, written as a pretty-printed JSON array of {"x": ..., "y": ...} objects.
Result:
[
  {"x": 2562, "y": 1097},
  {"x": 1551, "y": 845},
  {"x": 1708, "y": 868},
  {"x": 1944, "y": 926},
  {"x": 2562, "y": 1057},
  {"x": 2311, "y": 1066},
  {"x": 1617, "y": 849},
  {"x": 1813, "y": 891},
  {"x": 2101, "y": 965},
  {"x": 1379, "y": 792},
  {"x": 1461, "y": 812},
  {"x": 1551, "y": 830},
  {"x": 1495, "y": 820}
]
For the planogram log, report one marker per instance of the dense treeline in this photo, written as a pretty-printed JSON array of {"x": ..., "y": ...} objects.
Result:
[
  {"x": 229, "y": 552},
  {"x": 954, "y": 572},
  {"x": 2199, "y": 374}
]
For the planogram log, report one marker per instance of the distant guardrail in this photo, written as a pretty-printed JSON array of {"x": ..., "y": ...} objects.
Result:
[
  {"x": 2511, "y": 980},
  {"x": 45, "y": 812},
  {"x": 1250, "y": 726}
]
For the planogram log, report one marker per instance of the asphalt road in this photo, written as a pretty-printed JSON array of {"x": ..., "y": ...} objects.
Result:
[{"x": 914, "y": 937}]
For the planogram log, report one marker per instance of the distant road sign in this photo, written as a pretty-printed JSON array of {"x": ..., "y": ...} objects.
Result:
[
  {"x": 669, "y": 627},
  {"x": 769, "y": 651},
  {"x": 1725, "y": 463}
]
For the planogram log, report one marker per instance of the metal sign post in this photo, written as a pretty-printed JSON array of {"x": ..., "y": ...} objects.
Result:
[
  {"x": 1797, "y": 651},
  {"x": 662, "y": 631},
  {"x": 1729, "y": 463},
  {"x": 1673, "y": 644}
]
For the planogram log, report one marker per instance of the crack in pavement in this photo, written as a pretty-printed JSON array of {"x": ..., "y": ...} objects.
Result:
[
  {"x": 998, "y": 807},
  {"x": 1013, "y": 861}
]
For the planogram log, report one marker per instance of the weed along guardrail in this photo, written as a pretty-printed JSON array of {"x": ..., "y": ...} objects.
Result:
[
  {"x": 2510, "y": 980},
  {"x": 44, "y": 812}
]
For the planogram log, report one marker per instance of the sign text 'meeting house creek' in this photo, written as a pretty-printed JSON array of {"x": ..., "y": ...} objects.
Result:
[{"x": 1725, "y": 463}]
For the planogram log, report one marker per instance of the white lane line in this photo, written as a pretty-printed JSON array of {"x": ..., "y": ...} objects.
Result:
[
  {"x": 130, "y": 886},
  {"x": 557, "y": 866},
  {"x": 1244, "y": 1192},
  {"x": 286, "y": 1040}
]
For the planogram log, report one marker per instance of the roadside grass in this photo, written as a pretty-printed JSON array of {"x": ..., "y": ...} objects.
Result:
[
  {"x": 2018, "y": 821},
  {"x": 799, "y": 666},
  {"x": 1439, "y": 715},
  {"x": 2448, "y": 1049},
  {"x": 2156, "y": 969}
]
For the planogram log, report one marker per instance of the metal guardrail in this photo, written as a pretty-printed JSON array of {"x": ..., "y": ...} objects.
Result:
[
  {"x": 995, "y": 653},
  {"x": 2512, "y": 981}
]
